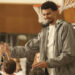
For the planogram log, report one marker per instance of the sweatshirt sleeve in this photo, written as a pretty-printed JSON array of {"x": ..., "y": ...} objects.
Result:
[{"x": 21, "y": 51}]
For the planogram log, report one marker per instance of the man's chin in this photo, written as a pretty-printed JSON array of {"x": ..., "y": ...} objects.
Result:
[
  {"x": 47, "y": 22},
  {"x": 50, "y": 22}
]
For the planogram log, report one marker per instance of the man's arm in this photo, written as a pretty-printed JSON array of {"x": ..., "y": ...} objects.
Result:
[{"x": 21, "y": 51}]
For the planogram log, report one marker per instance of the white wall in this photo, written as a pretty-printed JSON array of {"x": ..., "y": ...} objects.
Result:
[
  {"x": 29, "y": 1},
  {"x": 22, "y": 1}
]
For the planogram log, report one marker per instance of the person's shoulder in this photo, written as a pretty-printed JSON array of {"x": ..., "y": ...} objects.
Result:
[{"x": 66, "y": 23}]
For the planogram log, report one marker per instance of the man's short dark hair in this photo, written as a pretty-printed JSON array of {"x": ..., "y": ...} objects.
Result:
[
  {"x": 10, "y": 66},
  {"x": 49, "y": 5}
]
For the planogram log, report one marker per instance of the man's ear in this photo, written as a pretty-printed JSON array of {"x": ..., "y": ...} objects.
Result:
[{"x": 58, "y": 14}]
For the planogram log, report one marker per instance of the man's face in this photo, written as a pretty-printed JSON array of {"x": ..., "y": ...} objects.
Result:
[{"x": 49, "y": 15}]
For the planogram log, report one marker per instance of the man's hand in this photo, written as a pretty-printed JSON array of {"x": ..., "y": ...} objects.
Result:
[{"x": 40, "y": 64}]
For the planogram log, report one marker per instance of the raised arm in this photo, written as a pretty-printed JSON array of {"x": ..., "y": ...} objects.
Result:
[{"x": 21, "y": 51}]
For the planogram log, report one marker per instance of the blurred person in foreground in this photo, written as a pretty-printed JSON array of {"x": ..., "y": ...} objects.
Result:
[{"x": 9, "y": 67}]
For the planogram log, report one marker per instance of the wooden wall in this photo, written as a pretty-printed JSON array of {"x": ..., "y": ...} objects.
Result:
[
  {"x": 17, "y": 18},
  {"x": 69, "y": 15}
]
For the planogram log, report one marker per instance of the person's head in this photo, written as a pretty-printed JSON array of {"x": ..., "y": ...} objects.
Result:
[
  {"x": 49, "y": 11},
  {"x": 10, "y": 66},
  {"x": 21, "y": 40},
  {"x": 36, "y": 58},
  {"x": 37, "y": 71}
]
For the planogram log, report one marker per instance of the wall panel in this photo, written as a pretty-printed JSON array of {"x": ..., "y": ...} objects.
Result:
[{"x": 18, "y": 18}]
